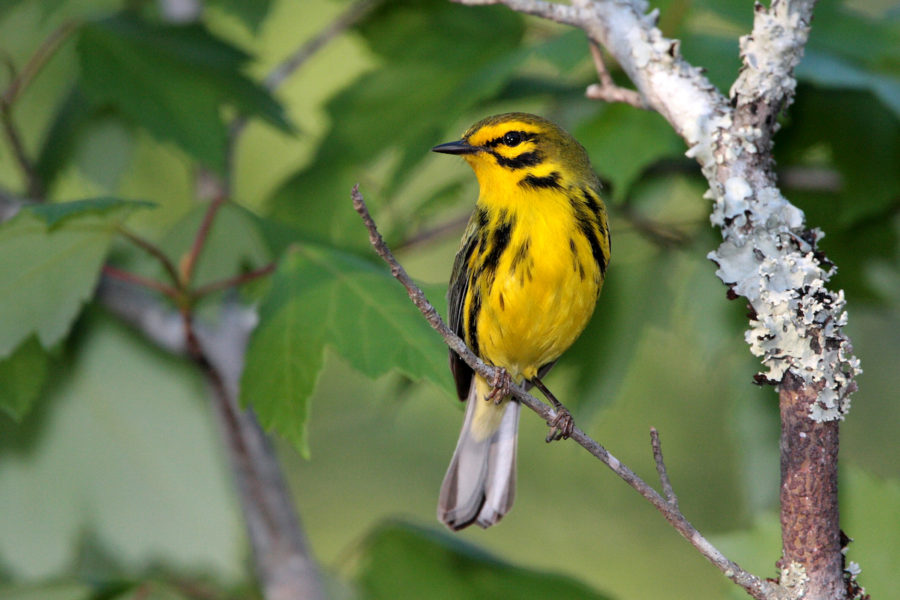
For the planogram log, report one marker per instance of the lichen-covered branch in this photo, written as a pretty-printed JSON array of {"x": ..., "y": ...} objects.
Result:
[{"x": 768, "y": 254}]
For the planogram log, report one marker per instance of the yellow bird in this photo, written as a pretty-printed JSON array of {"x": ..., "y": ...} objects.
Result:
[{"x": 525, "y": 281}]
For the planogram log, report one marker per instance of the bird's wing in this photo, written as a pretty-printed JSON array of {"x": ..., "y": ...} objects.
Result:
[{"x": 456, "y": 299}]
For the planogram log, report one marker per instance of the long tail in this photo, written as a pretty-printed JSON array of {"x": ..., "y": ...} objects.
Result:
[{"x": 480, "y": 483}]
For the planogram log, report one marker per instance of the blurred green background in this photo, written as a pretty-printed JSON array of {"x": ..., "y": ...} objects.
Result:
[{"x": 114, "y": 483}]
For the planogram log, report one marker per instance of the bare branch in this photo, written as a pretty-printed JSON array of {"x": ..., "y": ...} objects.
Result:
[
  {"x": 661, "y": 468},
  {"x": 607, "y": 90},
  {"x": 756, "y": 587},
  {"x": 37, "y": 61},
  {"x": 282, "y": 557}
]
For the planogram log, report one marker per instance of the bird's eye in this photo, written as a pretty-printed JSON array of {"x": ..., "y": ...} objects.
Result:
[{"x": 513, "y": 138}]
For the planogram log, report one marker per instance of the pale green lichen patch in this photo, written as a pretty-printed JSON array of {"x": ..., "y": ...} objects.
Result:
[{"x": 768, "y": 258}]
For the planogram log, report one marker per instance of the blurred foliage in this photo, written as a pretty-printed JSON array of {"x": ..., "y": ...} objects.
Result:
[
  {"x": 405, "y": 561},
  {"x": 107, "y": 451}
]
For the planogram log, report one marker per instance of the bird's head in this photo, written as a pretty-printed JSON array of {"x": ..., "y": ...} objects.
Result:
[{"x": 506, "y": 149}]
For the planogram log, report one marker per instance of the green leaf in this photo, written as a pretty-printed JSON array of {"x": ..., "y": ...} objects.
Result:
[
  {"x": 438, "y": 61},
  {"x": 321, "y": 296},
  {"x": 72, "y": 118},
  {"x": 173, "y": 80},
  {"x": 22, "y": 377},
  {"x": 250, "y": 12},
  {"x": 401, "y": 560},
  {"x": 55, "y": 213},
  {"x": 827, "y": 70},
  {"x": 43, "y": 591},
  {"x": 52, "y": 259},
  {"x": 863, "y": 145},
  {"x": 623, "y": 141},
  {"x": 108, "y": 455}
]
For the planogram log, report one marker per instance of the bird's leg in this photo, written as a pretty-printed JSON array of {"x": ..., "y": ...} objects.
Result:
[
  {"x": 562, "y": 425},
  {"x": 500, "y": 386}
]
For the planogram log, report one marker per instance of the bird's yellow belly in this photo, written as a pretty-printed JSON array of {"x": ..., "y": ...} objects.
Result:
[{"x": 532, "y": 314}]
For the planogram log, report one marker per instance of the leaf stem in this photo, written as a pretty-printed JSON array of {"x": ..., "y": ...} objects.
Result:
[
  {"x": 235, "y": 281},
  {"x": 142, "y": 281},
  {"x": 189, "y": 261},
  {"x": 37, "y": 61},
  {"x": 153, "y": 250}
]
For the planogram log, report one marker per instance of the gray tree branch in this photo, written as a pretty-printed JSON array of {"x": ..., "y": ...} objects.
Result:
[
  {"x": 284, "y": 563},
  {"x": 768, "y": 254}
]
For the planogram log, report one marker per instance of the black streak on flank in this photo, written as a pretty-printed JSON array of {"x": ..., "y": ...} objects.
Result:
[
  {"x": 500, "y": 240},
  {"x": 472, "y": 329},
  {"x": 586, "y": 223},
  {"x": 526, "y": 159},
  {"x": 551, "y": 181},
  {"x": 482, "y": 218},
  {"x": 576, "y": 262},
  {"x": 521, "y": 255},
  {"x": 591, "y": 201}
]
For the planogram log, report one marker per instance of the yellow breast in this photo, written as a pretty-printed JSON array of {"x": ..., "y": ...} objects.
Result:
[{"x": 543, "y": 289}]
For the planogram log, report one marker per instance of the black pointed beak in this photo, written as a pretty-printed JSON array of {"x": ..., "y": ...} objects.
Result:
[{"x": 458, "y": 147}]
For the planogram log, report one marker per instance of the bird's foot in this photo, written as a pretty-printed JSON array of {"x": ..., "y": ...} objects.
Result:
[
  {"x": 562, "y": 425},
  {"x": 500, "y": 386}
]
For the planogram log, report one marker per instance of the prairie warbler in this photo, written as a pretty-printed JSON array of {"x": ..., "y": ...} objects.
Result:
[{"x": 524, "y": 284}]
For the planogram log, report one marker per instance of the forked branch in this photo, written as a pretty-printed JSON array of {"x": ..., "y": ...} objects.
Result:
[{"x": 755, "y": 586}]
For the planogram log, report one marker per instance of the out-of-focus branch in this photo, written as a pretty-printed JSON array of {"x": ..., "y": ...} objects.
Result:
[
  {"x": 292, "y": 63},
  {"x": 298, "y": 58},
  {"x": 283, "y": 560},
  {"x": 34, "y": 188},
  {"x": 756, "y": 587},
  {"x": 37, "y": 61}
]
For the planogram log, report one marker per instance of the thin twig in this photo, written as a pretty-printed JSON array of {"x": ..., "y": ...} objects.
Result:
[
  {"x": 607, "y": 90},
  {"x": 37, "y": 61},
  {"x": 189, "y": 262},
  {"x": 33, "y": 185},
  {"x": 756, "y": 587},
  {"x": 341, "y": 23},
  {"x": 439, "y": 230},
  {"x": 146, "y": 282},
  {"x": 235, "y": 281},
  {"x": 153, "y": 250},
  {"x": 660, "y": 234},
  {"x": 661, "y": 468},
  {"x": 292, "y": 63}
]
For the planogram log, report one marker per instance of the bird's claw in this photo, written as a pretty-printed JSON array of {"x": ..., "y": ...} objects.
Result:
[
  {"x": 500, "y": 386},
  {"x": 561, "y": 427}
]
